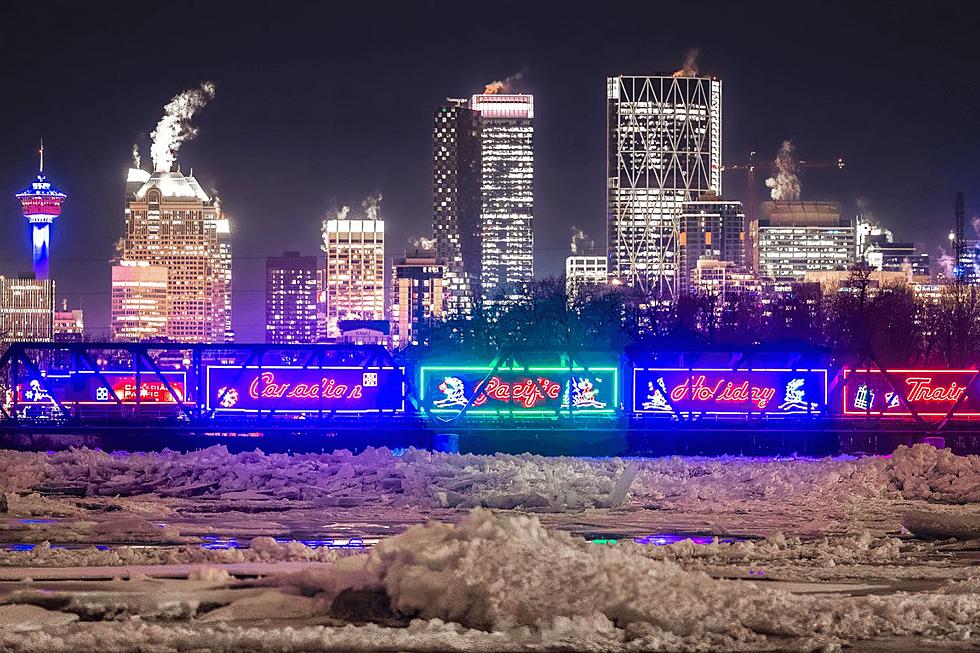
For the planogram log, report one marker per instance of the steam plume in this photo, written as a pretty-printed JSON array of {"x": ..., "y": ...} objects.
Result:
[
  {"x": 581, "y": 243},
  {"x": 175, "y": 127},
  {"x": 343, "y": 212},
  {"x": 975, "y": 221},
  {"x": 424, "y": 243},
  {"x": 507, "y": 85},
  {"x": 372, "y": 206},
  {"x": 137, "y": 159},
  {"x": 690, "y": 67},
  {"x": 785, "y": 185}
]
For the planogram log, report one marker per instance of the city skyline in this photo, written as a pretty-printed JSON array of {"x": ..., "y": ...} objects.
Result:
[{"x": 286, "y": 167}]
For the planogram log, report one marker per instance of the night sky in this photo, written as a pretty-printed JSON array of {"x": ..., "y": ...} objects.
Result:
[{"x": 320, "y": 104}]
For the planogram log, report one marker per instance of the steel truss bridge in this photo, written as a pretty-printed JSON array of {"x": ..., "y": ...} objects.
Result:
[{"x": 153, "y": 395}]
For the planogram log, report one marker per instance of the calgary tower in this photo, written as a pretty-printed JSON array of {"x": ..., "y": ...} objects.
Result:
[{"x": 41, "y": 204}]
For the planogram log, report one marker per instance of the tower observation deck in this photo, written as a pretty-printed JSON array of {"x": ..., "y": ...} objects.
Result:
[{"x": 41, "y": 204}]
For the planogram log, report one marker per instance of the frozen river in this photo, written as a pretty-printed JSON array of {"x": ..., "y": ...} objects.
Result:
[{"x": 213, "y": 551}]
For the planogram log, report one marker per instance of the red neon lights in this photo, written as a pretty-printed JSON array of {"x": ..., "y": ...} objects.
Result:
[
  {"x": 921, "y": 390},
  {"x": 760, "y": 396},
  {"x": 327, "y": 388},
  {"x": 524, "y": 392}
]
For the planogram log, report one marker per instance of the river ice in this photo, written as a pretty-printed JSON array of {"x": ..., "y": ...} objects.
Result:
[{"x": 215, "y": 551}]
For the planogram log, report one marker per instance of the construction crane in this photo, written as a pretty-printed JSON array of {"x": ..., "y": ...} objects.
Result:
[
  {"x": 749, "y": 169},
  {"x": 839, "y": 164}
]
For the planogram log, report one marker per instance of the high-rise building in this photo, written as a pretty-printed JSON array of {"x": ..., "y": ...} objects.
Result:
[
  {"x": 291, "y": 299},
  {"x": 69, "y": 324},
  {"x": 224, "y": 274},
  {"x": 507, "y": 194},
  {"x": 663, "y": 149},
  {"x": 140, "y": 310},
  {"x": 41, "y": 204},
  {"x": 26, "y": 309},
  {"x": 355, "y": 269},
  {"x": 724, "y": 279},
  {"x": 796, "y": 237},
  {"x": 582, "y": 271},
  {"x": 891, "y": 256},
  {"x": 417, "y": 285},
  {"x": 711, "y": 229},
  {"x": 172, "y": 223},
  {"x": 456, "y": 174}
]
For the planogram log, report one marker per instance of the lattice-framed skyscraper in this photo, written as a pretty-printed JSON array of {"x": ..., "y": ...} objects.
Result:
[{"x": 663, "y": 149}]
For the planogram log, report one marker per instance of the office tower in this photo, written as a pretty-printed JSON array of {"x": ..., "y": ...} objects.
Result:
[
  {"x": 291, "y": 299},
  {"x": 355, "y": 268},
  {"x": 663, "y": 149},
  {"x": 140, "y": 310},
  {"x": 456, "y": 174},
  {"x": 418, "y": 286},
  {"x": 69, "y": 324},
  {"x": 724, "y": 278},
  {"x": 26, "y": 309},
  {"x": 172, "y": 223},
  {"x": 223, "y": 228},
  {"x": 891, "y": 256},
  {"x": 796, "y": 237},
  {"x": 583, "y": 271},
  {"x": 711, "y": 229},
  {"x": 41, "y": 204},
  {"x": 507, "y": 194}
]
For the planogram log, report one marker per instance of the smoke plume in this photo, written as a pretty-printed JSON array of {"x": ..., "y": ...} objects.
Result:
[
  {"x": 507, "y": 85},
  {"x": 690, "y": 67},
  {"x": 785, "y": 185},
  {"x": 137, "y": 159},
  {"x": 175, "y": 127},
  {"x": 581, "y": 243},
  {"x": 975, "y": 221},
  {"x": 424, "y": 243},
  {"x": 372, "y": 206}
]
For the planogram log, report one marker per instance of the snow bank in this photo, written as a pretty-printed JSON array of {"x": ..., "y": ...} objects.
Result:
[
  {"x": 924, "y": 472},
  {"x": 419, "y": 478},
  {"x": 505, "y": 573}
]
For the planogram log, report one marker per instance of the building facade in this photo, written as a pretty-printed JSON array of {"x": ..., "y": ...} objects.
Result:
[
  {"x": 69, "y": 324},
  {"x": 456, "y": 203},
  {"x": 663, "y": 149},
  {"x": 172, "y": 223},
  {"x": 354, "y": 281},
  {"x": 891, "y": 256},
  {"x": 711, "y": 229},
  {"x": 26, "y": 309},
  {"x": 506, "y": 194},
  {"x": 418, "y": 286},
  {"x": 582, "y": 272},
  {"x": 796, "y": 237},
  {"x": 140, "y": 307},
  {"x": 291, "y": 299}
]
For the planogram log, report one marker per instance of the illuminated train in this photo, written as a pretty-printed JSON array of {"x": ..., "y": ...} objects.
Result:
[{"x": 325, "y": 384}]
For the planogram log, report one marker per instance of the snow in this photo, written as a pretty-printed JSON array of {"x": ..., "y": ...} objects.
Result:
[{"x": 499, "y": 562}]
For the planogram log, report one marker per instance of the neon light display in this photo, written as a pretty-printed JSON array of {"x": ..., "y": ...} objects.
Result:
[
  {"x": 723, "y": 391},
  {"x": 531, "y": 391},
  {"x": 290, "y": 389},
  {"x": 930, "y": 393},
  {"x": 83, "y": 387}
]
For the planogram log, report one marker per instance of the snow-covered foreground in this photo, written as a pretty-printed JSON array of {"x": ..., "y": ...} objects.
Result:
[{"x": 204, "y": 551}]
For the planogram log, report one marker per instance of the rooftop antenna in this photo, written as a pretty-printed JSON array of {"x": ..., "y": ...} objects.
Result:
[
  {"x": 41, "y": 153},
  {"x": 959, "y": 240}
]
